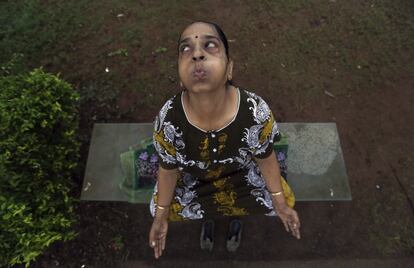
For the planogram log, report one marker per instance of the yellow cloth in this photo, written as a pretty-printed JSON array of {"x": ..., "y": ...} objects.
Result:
[{"x": 288, "y": 193}]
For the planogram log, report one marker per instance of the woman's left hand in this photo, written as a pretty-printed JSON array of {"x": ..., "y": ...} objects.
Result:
[{"x": 290, "y": 219}]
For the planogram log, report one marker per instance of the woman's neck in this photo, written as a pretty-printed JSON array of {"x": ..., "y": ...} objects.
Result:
[{"x": 208, "y": 107}]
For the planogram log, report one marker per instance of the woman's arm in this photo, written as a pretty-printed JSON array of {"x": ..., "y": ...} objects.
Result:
[
  {"x": 270, "y": 170},
  {"x": 167, "y": 181}
]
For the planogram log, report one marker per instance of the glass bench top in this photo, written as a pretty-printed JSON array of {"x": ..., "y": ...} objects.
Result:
[{"x": 315, "y": 164}]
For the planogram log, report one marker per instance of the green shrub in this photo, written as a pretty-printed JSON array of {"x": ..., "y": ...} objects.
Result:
[{"x": 38, "y": 154}]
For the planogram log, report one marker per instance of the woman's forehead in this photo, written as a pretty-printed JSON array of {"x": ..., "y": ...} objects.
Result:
[{"x": 198, "y": 29}]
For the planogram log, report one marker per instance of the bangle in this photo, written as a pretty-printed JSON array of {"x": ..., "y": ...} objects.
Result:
[
  {"x": 276, "y": 193},
  {"x": 162, "y": 207}
]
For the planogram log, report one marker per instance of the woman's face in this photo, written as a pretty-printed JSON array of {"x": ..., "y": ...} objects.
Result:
[{"x": 202, "y": 60}]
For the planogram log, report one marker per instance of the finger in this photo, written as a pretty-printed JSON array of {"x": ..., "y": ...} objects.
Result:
[
  {"x": 286, "y": 225},
  {"x": 159, "y": 248},
  {"x": 297, "y": 233},
  {"x": 292, "y": 225},
  {"x": 151, "y": 240},
  {"x": 292, "y": 230},
  {"x": 156, "y": 250},
  {"x": 295, "y": 230},
  {"x": 296, "y": 219},
  {"x": 163, "y": 243}
]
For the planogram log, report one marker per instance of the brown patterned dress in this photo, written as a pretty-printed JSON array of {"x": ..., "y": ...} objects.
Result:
[{"x": 219, "y": 175}]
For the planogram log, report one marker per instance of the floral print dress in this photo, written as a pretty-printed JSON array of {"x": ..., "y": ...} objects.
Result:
[{"x": 218, "y": 174}]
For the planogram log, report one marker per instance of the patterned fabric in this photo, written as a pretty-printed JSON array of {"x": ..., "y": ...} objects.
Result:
[{"x": 219, "y": 175}]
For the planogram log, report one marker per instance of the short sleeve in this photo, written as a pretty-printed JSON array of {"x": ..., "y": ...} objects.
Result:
[
  {"x": 263, "y": 130},
  {"x": 268, "y": 131},
  {"x": 163, "y": 137}
]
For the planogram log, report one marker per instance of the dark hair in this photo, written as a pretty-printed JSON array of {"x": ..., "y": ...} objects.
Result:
[{"x": 222, "y": 37}]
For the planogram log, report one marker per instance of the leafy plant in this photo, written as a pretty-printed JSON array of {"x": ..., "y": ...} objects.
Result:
[
  {"x": 121, "y": 51},
  {"x": 38, "y": 153},
  {"x": 161, "y": 50},
  {"x": 117, "y": 243}
]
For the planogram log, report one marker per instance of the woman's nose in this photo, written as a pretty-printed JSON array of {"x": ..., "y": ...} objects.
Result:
[
  {"x": 200, "y": 57},
  {"x": 198, "y": 54}
]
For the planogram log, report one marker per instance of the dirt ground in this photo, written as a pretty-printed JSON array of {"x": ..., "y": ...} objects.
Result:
[
  {"x": 374, "y": 121},
  {"x": 370, "y": 131},
  {"x": 375, "y": 137}
]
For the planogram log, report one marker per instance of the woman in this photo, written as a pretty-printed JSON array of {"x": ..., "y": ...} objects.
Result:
[{"x": 215, "y": 145}]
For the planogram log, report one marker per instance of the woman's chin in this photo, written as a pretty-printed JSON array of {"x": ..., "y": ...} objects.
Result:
[{"x": 201, "y": 87}]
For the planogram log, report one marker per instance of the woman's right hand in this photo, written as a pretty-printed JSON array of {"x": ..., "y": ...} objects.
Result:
[{"x": 158, "y": 235}]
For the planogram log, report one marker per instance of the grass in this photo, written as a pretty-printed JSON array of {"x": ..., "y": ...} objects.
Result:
[
  {"x": 363, "y": 43},
  {"x": 310, "y": 46},
  {"x": 38, "y": 31},
  {"x": 300, "y": 48}
]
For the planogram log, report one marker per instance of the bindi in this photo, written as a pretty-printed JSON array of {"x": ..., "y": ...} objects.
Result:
[{"x": 196, "y": 36}]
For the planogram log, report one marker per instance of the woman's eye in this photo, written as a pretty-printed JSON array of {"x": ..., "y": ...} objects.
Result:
[
  {"x": 210, "y": 43},
  {"x": 184, "y": 48}
]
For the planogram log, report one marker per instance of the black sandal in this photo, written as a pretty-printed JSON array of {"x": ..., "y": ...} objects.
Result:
[
  {"x": 234, "y": 235},
  {"x": 207, "y": 235}
]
